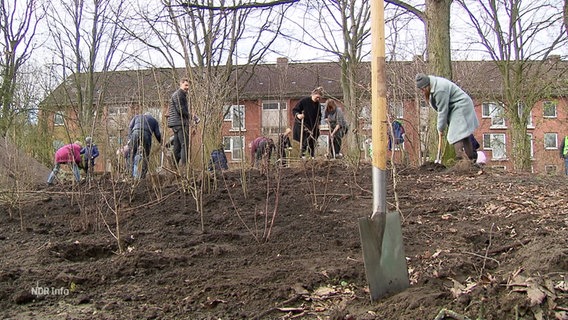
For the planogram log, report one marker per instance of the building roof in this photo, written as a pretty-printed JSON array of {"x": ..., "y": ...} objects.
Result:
[{"x": 293, "y": 80}]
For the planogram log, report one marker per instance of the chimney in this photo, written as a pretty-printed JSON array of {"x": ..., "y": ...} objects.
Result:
[{"x": 282, "y": 62}]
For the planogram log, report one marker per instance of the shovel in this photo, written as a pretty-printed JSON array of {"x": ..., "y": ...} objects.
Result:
[
  {"x": 381, "y": 233},
  {"x": 161, "y": 167},
  {"x": 302, "y": 137},
  {"x": 439, "y": 153}
]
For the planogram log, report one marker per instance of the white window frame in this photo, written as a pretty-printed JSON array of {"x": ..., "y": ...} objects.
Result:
[
  {"x": 396, "y": 109},
  {"x": 58, "y": 118},
  {"x": 531, "y": 139},
  {"x": 550, "y": 137},
  {"x": 281, "y": 105},
  {"x": 551, "y": 104},
  {"x": 57, "y": 144},
  {"x": 365, "y": 117},
  {"x": 520, "y": 108},
  {"x": 117, "y": 111},
  {"x": 550, "y": 169},
  {"x": 323, "y": 123},
  {"x": 496, "y": 112},
  {"x": 230, "y": 114},
  {"x": 231, "y": 146},
  {"x": 493, "y": 142}
]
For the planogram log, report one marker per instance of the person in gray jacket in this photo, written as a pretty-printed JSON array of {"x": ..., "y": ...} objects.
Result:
[
  {"x": 141, "y": 129},
  {"x": 455, "y": 112}
]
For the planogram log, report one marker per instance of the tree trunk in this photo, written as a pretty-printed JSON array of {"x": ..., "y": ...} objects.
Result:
[{"x": 438, "y": 37}]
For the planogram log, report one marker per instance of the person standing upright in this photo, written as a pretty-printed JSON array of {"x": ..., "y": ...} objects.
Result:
[
  {"x": 179, "y": 121},
  {"x": 90, "y": 152},
  {"x": 142, "y": 127},
  {"x": 337, "y": 128},
  {"x": 564, "y": 153},
  {"x": 307, "y": 115},
  {"x": 283, "y": 146},
  {"x": 455, "y": 112}
]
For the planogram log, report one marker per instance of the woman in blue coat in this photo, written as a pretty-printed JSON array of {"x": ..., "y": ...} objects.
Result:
[{"x": 455, "y": 112}]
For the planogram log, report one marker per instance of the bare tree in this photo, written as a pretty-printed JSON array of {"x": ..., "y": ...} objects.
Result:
[
  {"x": 209, "y": 41},
  {"x": 566, "y": 16},
  {"x": 86, "y": 42},
  {"x": 18, "y": 26},
  {"x": 436, "y": 18},
  {"x": 521, "y": 37}
]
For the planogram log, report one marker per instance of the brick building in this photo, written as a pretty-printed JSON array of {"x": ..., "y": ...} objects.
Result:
[{"x": 265, "y": 108}]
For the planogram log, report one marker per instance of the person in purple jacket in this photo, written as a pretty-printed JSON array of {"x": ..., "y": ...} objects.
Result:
[
  {"x": 261, "y": 151},
  {"x": 68, "y": 154}
]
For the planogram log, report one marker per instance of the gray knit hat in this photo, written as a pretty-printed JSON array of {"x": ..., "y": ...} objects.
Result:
[{"x": 422, "y": 80}]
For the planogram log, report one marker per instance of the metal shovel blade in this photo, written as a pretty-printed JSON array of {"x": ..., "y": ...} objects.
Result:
[{"x": 383, "y": 253}]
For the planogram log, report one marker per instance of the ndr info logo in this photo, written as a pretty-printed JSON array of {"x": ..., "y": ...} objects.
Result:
[{"x": 46, "y": 291}]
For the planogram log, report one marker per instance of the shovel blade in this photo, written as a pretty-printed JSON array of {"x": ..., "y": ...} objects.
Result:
[{"x": 383, "y": 253}]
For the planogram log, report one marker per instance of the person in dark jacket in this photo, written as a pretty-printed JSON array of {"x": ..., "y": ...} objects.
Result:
[
  {"x": 564, "y": 153},
  {"x": 218, "y": 161},
  {"x": 283, "y": 146},
  {"x": 141, "y": 128},
  {"x": 261, "y": 151},
  {"x": 179, "y": 121},
  {"x": 308, "y": 109},
  {"x": 90, "y": 152}
]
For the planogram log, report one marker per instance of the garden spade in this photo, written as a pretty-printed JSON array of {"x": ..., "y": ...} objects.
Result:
[
  {"x": 381, "y": 232},
  {"x": 439, "y": 153}
]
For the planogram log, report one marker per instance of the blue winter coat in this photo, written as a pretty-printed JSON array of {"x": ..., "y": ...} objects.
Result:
[{"x": 454, "y": 107}]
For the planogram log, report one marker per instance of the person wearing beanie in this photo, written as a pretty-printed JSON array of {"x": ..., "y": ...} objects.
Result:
[
  {"x": 90, "y": 152},
  {"x": 455, "y": 112}
]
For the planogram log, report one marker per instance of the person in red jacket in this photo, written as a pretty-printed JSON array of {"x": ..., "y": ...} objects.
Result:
[{"x": 68, "y": 154}]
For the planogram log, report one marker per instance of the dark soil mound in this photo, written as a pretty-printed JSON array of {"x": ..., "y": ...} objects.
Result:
[{"x": 489, "y": 245}]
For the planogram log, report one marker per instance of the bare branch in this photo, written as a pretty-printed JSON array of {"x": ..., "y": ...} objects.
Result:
[{"x": 253, "y": 5}]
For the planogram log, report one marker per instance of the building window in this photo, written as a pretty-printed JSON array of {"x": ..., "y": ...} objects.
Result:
[
  {"x": 234, "y": 146},
  {"x": 117, "y": 111},
  {"x": 235, "y": 114},
  {"x": 531, "y": 141},
  {"x": 496, "y": 143},
  {"x": 57, "y": 144},
  {"x": 521, "y": 109},
  {"x": 396, "y": 109},
  {"x": 550, "y": 169},
  {"x": 549, "y": 109},
  {"x": 496, "y": 112},
  {"x": 365, "y": 117},
  {"x": 274, "y": 117},
  {"x": 551, "y": 140},
  {"x": 58, "y": 119},
  {"x": 323, "y": 124},
  {"x": 274, "y": 105}
]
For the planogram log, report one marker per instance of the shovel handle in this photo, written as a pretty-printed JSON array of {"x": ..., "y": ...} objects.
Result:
[{"x": 439, "y": 152}]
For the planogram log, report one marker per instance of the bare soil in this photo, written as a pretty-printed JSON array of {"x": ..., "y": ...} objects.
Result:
[{"x": 482, "y": 246}]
